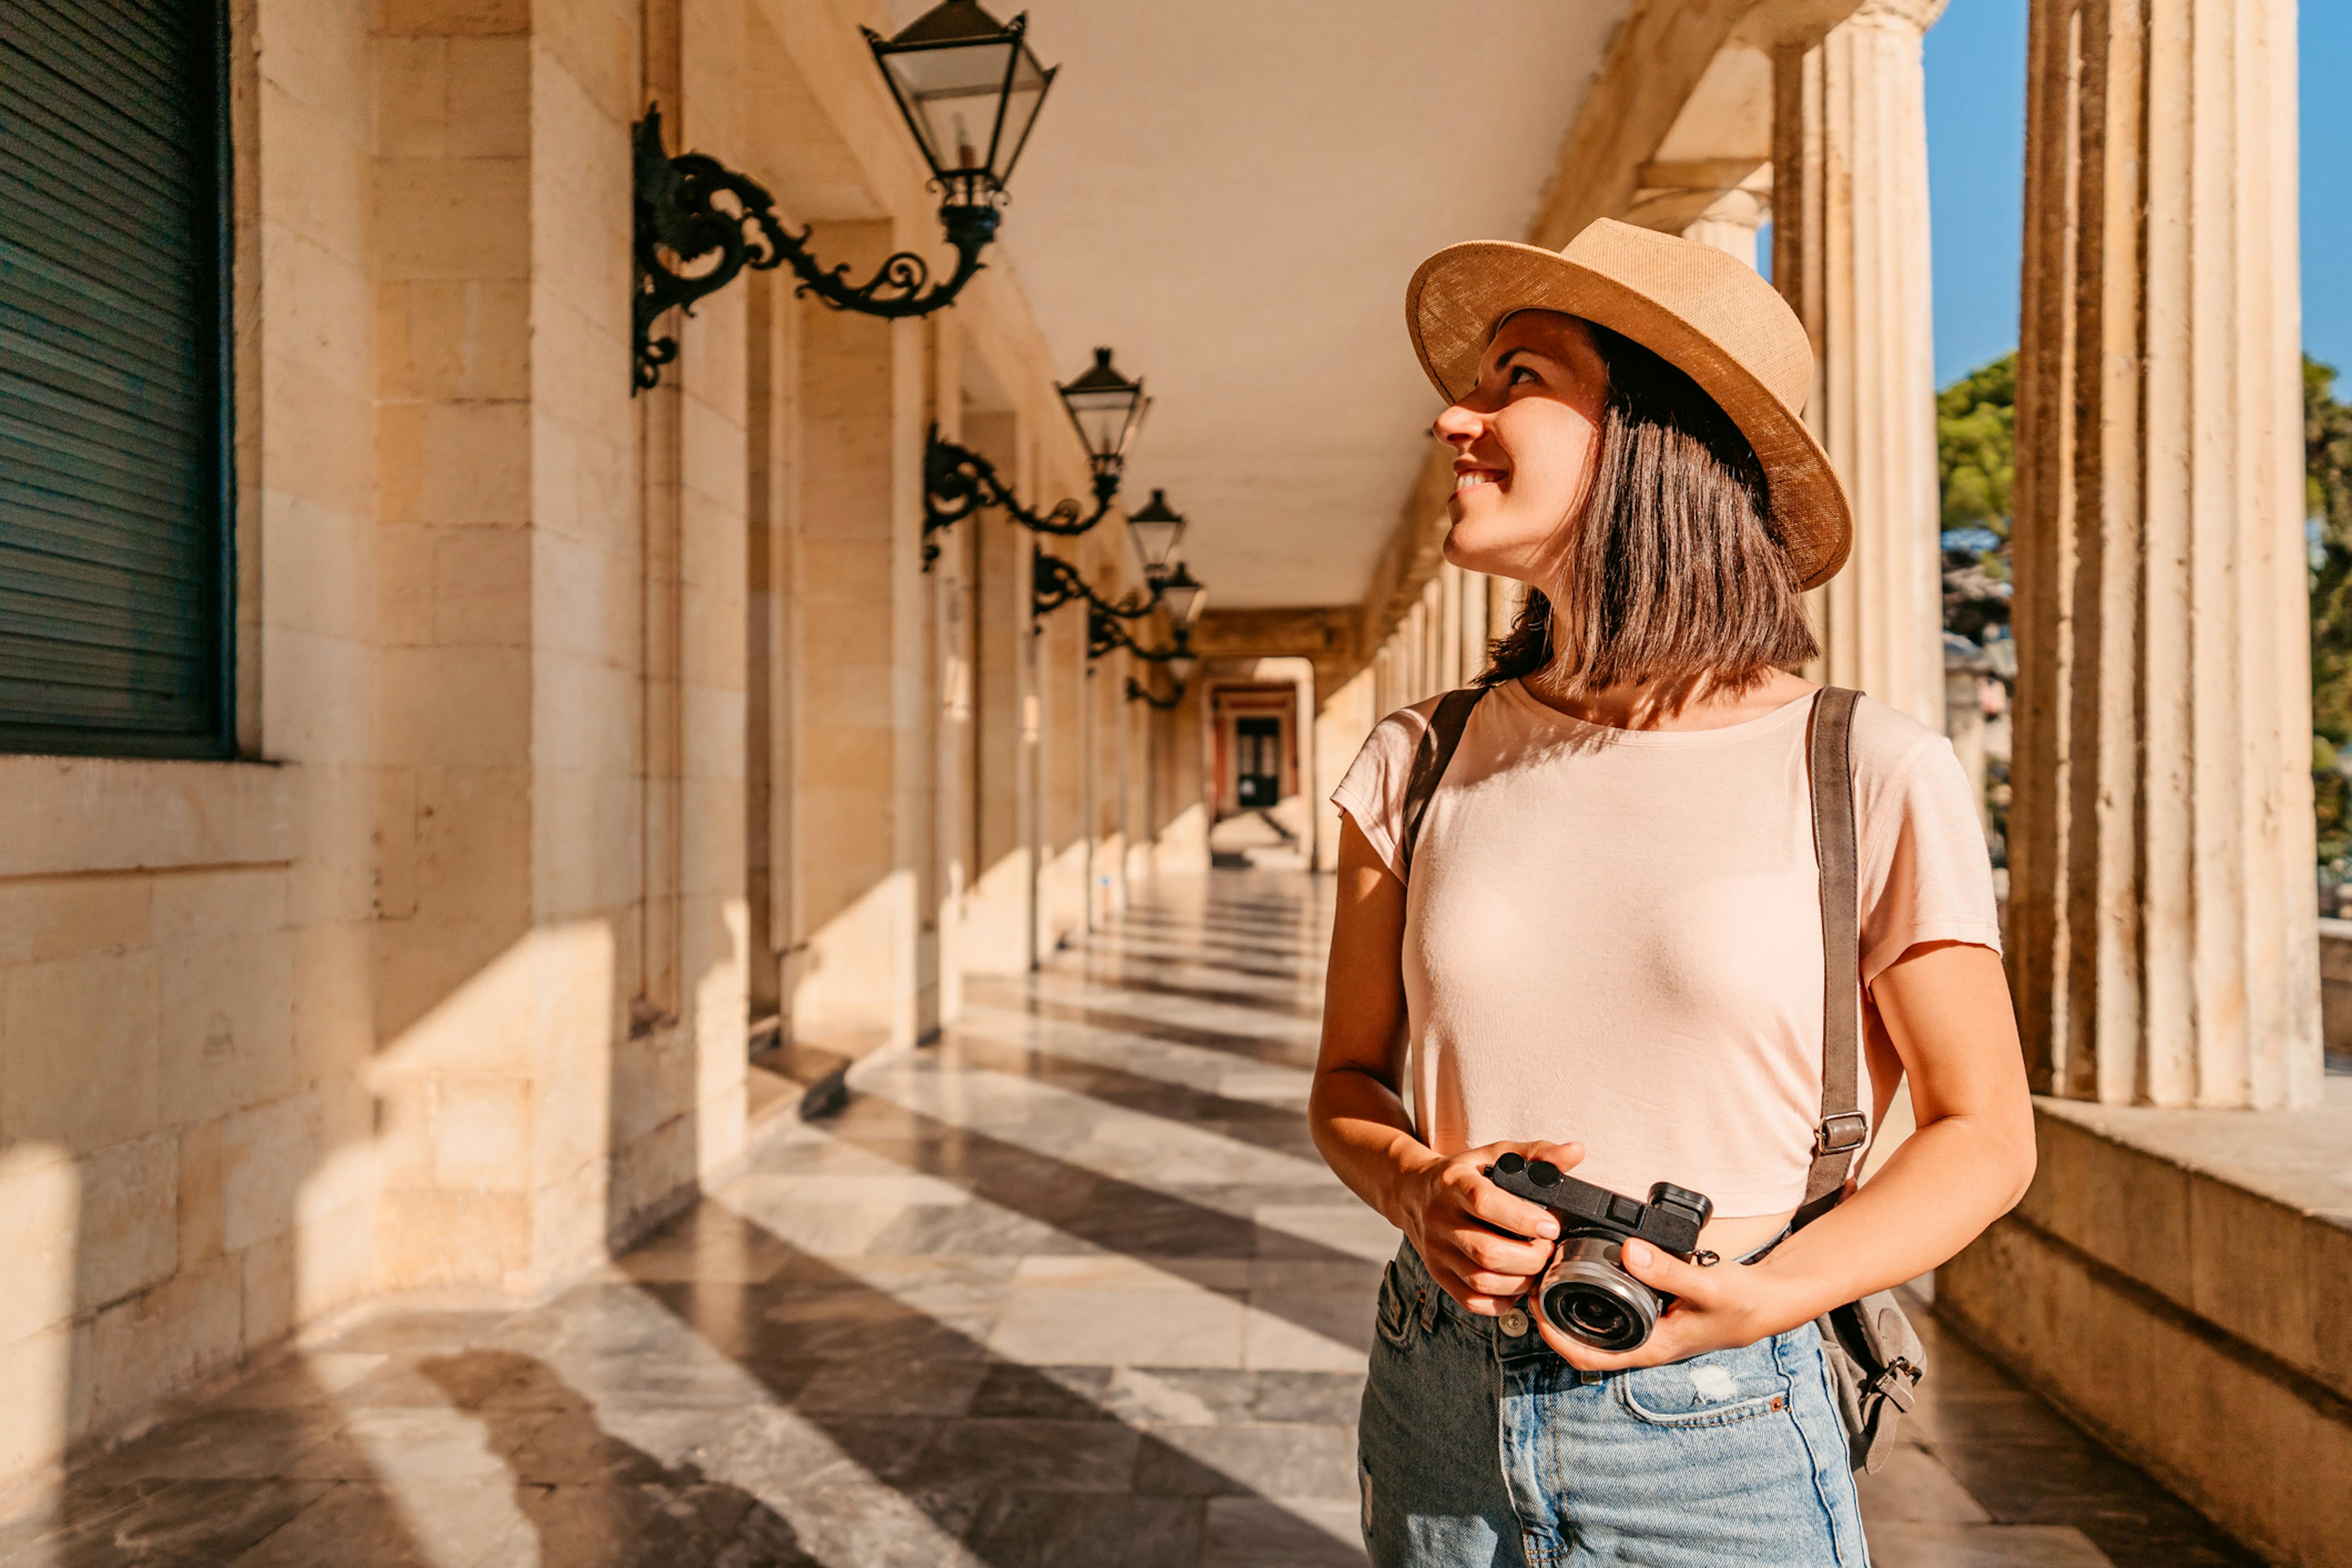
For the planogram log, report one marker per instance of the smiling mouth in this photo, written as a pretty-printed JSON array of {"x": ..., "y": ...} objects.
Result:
[{"x": 1474, "y": 479}]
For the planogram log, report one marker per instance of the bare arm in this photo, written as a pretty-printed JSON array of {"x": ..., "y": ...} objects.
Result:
[
  {"x": 1946, "y": 1009},
  {"x": 1445, "y": 1207}
]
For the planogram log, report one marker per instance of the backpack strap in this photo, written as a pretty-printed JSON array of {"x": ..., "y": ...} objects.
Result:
[
  {"x": 1844, "y": 1128},
  {"x": 1437, "y": 744}
]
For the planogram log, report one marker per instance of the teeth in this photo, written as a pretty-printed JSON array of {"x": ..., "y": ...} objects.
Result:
[{"x": 1463, "y": 481}]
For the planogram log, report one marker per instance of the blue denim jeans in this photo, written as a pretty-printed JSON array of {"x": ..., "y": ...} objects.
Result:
[{"x": 1483, "y": 1449}]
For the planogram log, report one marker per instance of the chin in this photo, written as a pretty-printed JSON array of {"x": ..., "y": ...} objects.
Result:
[{"x": 1466, "y": 549}]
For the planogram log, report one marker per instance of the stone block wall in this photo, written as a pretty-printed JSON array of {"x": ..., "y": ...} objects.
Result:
[
  {"x": 444, "y": 991},
  {"x": 2181, "y": 1283}
]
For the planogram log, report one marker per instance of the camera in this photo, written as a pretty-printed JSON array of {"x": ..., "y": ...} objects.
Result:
[{"x": 1586, "y": 1293}]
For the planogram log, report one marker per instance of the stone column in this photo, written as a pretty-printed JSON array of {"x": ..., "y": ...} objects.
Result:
[
  {"x": 1850, "y": 252},
  {"x": 2161, "y": 935},
  {"x": 998, "y": 930},
  {"x": 1730, "y": 222}
]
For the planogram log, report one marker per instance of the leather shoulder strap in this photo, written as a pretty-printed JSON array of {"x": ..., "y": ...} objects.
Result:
[
  {"x": 1844, "y": 1128},
  {"x": 1437, "y": 744}
]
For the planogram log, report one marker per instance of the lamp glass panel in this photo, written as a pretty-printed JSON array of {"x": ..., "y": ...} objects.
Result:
[
  {"x": 1181, "y": 667},
  {"x": 1180, "y": 597},
  {"x": 1022, "y": 101},
  {"x": 951, "y": 95},
  {"x": 1104, "y": 418},
  {"x": 1155, "y": 539}
]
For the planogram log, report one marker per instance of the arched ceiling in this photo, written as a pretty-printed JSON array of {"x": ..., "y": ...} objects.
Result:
[{"x": 1233, "y": 193}]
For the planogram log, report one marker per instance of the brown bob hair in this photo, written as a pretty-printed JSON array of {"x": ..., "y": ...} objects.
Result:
[{"x": 1674, "y": 573}]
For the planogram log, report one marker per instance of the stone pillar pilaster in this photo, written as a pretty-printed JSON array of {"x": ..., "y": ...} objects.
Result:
[
  {"x": 2161, "y": 913},
  {"x": 1850, "y": 252},
  {"x": 1730, "y": 222}
]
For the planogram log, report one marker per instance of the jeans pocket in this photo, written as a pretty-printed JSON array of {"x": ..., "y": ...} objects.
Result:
[
  {"x": 1718, "y": 1389},
  {"x": 1397, "y": 1310}
]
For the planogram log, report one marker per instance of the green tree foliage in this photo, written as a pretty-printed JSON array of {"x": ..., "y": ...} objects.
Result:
[
  {"x": 1975, "y": 448},
  {"x": 2327, "y": 501},
  {"x": 1976, "y": 458}
]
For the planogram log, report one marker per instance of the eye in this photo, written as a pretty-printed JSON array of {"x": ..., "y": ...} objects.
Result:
[{"x": 1516, "y": 372}]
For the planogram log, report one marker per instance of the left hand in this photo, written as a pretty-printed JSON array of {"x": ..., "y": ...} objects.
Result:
[{"x": 1721, "y": 1307}]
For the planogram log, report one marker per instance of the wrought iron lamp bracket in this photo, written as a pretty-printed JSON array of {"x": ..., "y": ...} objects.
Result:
[
  {"x": 958, "y": 481},
  {"x": 680, "y": 223},
  {"x": 1139, "y": 692},
  {"x": 1055, "y": 583},
  {"x": 1106, "y": 636}
]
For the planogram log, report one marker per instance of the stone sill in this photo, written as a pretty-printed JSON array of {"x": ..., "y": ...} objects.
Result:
[
  {"x": 2241, "y": 1219},
  {"x": 77, "y": 815}
]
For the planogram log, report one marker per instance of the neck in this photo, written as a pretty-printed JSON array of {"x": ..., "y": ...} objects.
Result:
[{"x": 1704, "y": 704}]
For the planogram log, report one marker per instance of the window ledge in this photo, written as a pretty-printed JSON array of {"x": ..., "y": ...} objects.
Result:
[{"x": 73, "y": 815}]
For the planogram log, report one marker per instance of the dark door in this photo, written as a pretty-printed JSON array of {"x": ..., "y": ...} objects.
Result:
[{"x": 1257, "y": 745}]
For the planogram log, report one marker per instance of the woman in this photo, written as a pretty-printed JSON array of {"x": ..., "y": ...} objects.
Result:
[{"x": 1606, "y": 949}]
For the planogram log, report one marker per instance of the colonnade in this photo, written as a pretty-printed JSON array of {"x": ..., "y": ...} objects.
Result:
[{"x": 2160, "y": 919}]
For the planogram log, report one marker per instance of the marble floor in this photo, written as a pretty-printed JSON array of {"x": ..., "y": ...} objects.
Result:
[{"x": 1069, "y": 1287}]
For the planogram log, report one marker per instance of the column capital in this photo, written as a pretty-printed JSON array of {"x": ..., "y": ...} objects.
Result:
[{"x": 1919, "y": 15}]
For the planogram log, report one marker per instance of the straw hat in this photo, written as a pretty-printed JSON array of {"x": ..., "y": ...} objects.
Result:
[{"x": 1694, "y": 306}]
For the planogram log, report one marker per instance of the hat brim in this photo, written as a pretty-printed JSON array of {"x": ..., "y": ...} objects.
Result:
[{"x": 1459, "y": 296}]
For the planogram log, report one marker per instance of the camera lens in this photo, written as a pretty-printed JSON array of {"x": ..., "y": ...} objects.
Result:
[
  {"x": 1602, "y": 1319},
  {"x": 1588, "y": 1296}
]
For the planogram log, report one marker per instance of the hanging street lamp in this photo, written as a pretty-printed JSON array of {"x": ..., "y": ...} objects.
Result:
[
  {"x": 1157, "y": 530},
  {"x": 1183, "y": 593},
  {"x": 1106, "y": 408},
  {"x": 970, "y": 87}
]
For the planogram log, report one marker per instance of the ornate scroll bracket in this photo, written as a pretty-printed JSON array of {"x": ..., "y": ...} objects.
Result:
[
  {"x": 958, "y": 481},
  {"x": 1106, "y": 636},
  {"x": 679, "y": 224},
  {"x": 1139, "y": 692},
  {"x": 679, "y": 221},
  {"x": 1055, "y": 583}
]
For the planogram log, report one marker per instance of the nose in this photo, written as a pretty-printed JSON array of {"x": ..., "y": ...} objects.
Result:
[{"x": 1458, "y": 426}]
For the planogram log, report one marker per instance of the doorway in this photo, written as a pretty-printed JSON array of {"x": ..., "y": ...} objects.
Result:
[{"x": 1257, "y": 757}]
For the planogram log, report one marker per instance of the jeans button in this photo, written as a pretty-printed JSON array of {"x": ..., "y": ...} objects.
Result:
[{"x": 1515, "y": 1324}]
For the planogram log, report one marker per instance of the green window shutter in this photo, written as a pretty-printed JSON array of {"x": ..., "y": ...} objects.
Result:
[{"x": 115, "y": 523}]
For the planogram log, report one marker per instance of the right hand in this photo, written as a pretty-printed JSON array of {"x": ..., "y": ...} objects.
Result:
[{"x": 1452, "y": 1215}]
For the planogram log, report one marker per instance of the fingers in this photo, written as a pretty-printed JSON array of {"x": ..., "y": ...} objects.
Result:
[
  {"x": 1477, "y": 1278},
  {"x": 1501, "y": 1254},
  {"x": 1662, "y": 1270},
  {"x": 1482, "y": 1199},
  {"x": 1658, "y": 1349}
]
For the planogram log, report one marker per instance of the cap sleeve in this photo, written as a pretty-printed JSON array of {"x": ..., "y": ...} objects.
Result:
[
  {"x": 1925, "y": 873},
  {"x": 1373, "y": 790}
]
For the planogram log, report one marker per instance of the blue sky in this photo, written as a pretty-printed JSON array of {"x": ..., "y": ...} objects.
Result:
[{"x": 1976, "y": 153}]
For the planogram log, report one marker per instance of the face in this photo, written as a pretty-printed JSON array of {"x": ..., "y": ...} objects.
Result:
[{"x": 1525, "y": 442}]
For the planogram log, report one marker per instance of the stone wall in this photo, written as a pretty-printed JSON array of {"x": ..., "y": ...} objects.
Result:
[
  {"x": 2180, "y": 1282},
  {"x": 445, "y": 990}
]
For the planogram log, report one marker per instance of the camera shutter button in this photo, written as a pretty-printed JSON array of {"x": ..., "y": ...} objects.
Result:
[{"x": 1515, "y": 1324}]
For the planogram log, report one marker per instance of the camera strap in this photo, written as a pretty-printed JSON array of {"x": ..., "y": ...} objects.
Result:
[{"x": 1844, "y": 1128}]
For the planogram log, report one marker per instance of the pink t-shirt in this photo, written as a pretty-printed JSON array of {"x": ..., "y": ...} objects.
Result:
[{"x": 1613, "y": 936}]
